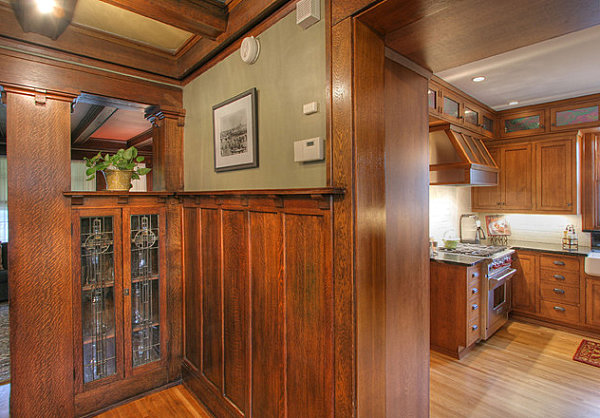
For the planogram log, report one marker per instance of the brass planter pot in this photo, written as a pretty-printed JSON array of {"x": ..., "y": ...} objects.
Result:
[{"x": 118, "y": 180}]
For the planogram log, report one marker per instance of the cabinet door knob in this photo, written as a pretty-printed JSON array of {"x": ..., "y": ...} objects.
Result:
[
  {"x": 559, "y": 277},
  {"x": 474, "y": 327},
  {"x": 559, "y": 263},
  {"x": 569, "y": 204},
  {"x": 559, "y": 309},
  {"x": 559, "y": 291},
  {"x": 126, "y": 291},
  {"x": 475, "y": 290},
  {"x": 475, "y": 307}
]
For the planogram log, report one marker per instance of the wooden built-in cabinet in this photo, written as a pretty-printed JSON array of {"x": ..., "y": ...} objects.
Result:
[
  {"x": 590, "y": 181},
  {"x": 523, "y": 123},
  {"x": 121, "y": 331},
  {"x": 553, "y": 288},
  {"x": 525, "y": 283},
  {"x": 538, "y": 176},
  {"x": 456, "y": 319},
  {"x": 576, "y": 115}
]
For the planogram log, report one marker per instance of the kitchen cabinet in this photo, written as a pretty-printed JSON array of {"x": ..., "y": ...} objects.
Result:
[
  {"x": 523, "y": 123},
  {"x": 452, "y": 107},
  {"x": 488, "y": 124},
  {"x": 590, "y": 181},
  {"x": 556, "y": 185},
  {"x": 575, "y": 116},
  {"x": 120, "y": 329},
  {"x": 434, "y": 95},
  {"x": 538, "y": 176},
  {"x": 515, "y": 182},
  {"x": 455, "y": 300},
  {"x": 525, "y": 283},
  {"x": 592, "y": 294}
]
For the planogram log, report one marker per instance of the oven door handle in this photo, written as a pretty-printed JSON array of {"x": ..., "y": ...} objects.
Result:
[{"x": 504, "y": 277}]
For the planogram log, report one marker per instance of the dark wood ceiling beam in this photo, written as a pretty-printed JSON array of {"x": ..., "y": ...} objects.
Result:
[
  {"x": 196, "y": 16},
  {"x": 140, "y": 139},
  {"x": 94, "y": 119}
]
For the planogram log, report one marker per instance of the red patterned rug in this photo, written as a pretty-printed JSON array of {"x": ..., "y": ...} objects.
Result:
[{"x": 588, "y": 353}]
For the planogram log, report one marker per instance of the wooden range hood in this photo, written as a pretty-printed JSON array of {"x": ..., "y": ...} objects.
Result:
[{"x": 457, "y": 158}]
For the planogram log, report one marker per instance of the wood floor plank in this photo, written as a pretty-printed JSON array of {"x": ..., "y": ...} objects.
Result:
[
  {"x": 169, "y": 403},
  {"x": 523, "y": 371}
]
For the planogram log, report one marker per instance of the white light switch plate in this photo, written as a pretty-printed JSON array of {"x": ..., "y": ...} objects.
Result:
[{"x": 310, "y": 108}]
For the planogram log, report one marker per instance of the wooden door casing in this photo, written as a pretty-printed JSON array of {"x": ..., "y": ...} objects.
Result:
[{"x": 259, "y": 306}]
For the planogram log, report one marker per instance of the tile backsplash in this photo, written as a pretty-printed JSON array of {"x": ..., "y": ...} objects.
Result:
[{"x": 447, "y": 203}]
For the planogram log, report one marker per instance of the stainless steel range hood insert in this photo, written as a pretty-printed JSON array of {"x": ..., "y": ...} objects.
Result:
[{"x": 458, "y": 158}]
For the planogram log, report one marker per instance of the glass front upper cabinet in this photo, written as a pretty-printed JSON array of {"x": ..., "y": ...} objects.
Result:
[
  {"x": 451, "y": 107},
  {"x": 487, "y": 125},
  {"x": 521, "y": 124},
  {"x": 145, "y": 289},
  {"x": 98, "y": 298},
  {"x": 471, "y": 117},
  {"x": 575, "y": 116}
]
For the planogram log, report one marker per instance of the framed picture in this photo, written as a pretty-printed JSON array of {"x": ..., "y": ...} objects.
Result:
[{"x": 236, "y": 132}]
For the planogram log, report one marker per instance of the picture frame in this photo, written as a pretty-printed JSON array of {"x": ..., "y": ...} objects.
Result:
[{"x": 235, "y": 132}]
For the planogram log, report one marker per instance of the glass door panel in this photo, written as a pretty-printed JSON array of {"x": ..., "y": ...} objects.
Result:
[
  {"x": 98, "y": 298},
  {"x": 145, "y": 285}
]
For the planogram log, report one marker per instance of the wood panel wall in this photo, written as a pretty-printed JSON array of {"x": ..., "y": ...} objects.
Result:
[
  {"x": 41, "y": 323},
  {"x": 259, "y": 304}
]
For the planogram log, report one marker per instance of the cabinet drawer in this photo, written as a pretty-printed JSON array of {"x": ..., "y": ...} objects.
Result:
[
  {"x": 559, "y": 311},
  {"x": 558, "y": 293},
  {"x": 565, "y": 278},
  {"x": 474, "y": 309},
  {"x": 473, "y": 332},
  {"x": 473, "y": 277},
  {"x": 559, "y": 263}
]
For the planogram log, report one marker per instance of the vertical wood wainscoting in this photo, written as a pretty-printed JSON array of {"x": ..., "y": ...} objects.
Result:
[{"x": 259, "y": 302}]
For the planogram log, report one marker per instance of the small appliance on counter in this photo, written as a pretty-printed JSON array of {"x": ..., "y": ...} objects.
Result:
[{"x": 470, "y": 229}]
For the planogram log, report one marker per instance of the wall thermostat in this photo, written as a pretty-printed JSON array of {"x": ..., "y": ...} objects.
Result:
[
  {"x": 309, "y": 150},
  {"x": 250, "y": 50}
]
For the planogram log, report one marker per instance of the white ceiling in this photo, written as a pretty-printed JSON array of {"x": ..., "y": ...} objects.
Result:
[{"x": 559, "y": 68}]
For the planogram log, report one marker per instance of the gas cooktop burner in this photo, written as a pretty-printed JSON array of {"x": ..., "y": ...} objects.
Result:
[{"x": 474, "y": 249}]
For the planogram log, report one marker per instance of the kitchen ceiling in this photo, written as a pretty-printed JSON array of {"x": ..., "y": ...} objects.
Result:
[{"x": 559, "y": 68}]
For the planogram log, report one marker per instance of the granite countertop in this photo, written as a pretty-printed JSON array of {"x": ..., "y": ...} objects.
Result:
[
  {"x": 546, "y": 247},
  {"x": 459, "y": 259}
]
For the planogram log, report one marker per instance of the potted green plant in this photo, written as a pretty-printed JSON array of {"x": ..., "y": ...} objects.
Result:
[{"x": 118, "y": 169}]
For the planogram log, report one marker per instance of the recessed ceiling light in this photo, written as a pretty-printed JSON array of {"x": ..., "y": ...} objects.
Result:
[
  {"x": 478, "y": 79},
  {"x": 514, "y": 102},
  {"x": 45, "y": 6}
]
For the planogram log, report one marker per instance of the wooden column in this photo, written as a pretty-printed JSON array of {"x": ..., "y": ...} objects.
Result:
[
  {"x": 39, "y": 171},
  {"x": 167, "y": 149}
]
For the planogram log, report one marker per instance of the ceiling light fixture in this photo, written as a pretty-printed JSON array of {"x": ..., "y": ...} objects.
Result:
[
  {"x": 514, "y": 102},
  {"x": 45, "y": 6},
  {"x": 478, "y": 79}
]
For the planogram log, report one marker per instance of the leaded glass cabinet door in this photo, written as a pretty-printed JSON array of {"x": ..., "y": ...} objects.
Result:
[
  {"x": 97, "y": 284},
  {"x": 145, "y": 307}
]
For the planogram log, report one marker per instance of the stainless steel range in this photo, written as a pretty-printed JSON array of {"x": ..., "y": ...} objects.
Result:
[{"x": 496, "y": 272}]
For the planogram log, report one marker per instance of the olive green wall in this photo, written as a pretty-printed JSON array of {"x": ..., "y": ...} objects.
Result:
[{"x": 290, "y": 72}]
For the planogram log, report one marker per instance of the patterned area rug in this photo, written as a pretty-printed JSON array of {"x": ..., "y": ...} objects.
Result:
[
  {"x": 4, "y": 345},
  {"x": 588, "y": 353}
]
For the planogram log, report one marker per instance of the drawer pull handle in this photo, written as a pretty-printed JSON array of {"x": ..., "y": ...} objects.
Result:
[
  {"x": 475, "y": 307},
  {"x": 475, "y": 275},
  {"x": 559, "y": 309},
  {"x": 475, "y": 290},
  {"x": 559, "y": 277},
  {"x": 559, "y": 263},
  {"x": 474, "y": 327},
  {"x": 559, "y": 291}
]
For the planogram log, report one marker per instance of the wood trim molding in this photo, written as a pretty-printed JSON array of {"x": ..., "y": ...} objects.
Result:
[
  {"x": 40, "y": 95},
  {"x": 405, "y": 62}
]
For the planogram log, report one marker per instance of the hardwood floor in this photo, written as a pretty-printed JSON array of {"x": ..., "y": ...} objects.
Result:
[
  {"x": 175, "y": 402},
  {"x": 524, "y": 370}
]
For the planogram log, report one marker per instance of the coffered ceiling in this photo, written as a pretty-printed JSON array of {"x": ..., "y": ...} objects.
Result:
[{"x": 162, "y": 40}]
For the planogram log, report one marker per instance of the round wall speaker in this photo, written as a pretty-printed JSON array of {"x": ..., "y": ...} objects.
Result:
[{"x": 249, "y": 50}]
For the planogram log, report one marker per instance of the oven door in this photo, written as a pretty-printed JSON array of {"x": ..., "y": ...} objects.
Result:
[{"x": 499, "y": 301}]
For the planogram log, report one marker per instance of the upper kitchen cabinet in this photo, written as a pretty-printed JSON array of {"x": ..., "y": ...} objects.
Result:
[
  {"x": 556, "y": 177},
  {"x": 452, "y": 107},
  {"x": 536, "y": 176},
  {"x": 590, "y": 181},
  {"x": 575, "y": 116},
  {"x": 434, "y": 94},
  {"x": 514, "y": 191},
  {"x": 488, "y": 124},
  {"x": 522, "y": 124}
]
